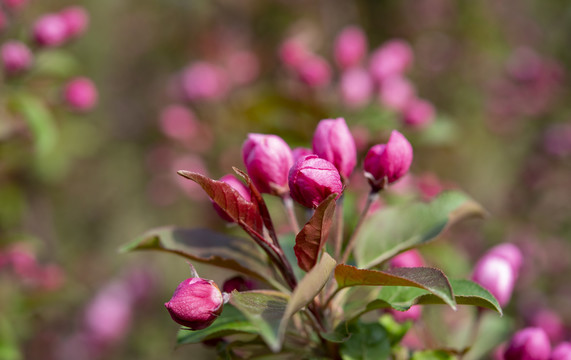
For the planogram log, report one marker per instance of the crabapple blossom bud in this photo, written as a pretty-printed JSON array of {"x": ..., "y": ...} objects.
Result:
[
  {"x": 561, "y": 351},
  {"x": 196, "y": 303},
  {"x": 204, "y": 81},
  {"x": 268, "y": 159},
  {"x": 3, "y": 21},
  {"x": 392, "y": 58},
  {"x": 80, "y": 94},
  {"x": 551, "y": 323},
  {"x": 350, "y": 47},
  {"x": 312, "y": 179},
  {"x": 410, "y": 258},
  {"x": 293, "y": 52},
  {"x": 412, "y": 314},
  {"x": 16, "y": 57},
  {"x": 334, "y": 142},
  {"x": 396, "y": 93},
  {"x": 236, "y": 185},
  {"x": 510, "y": 253},
  {"x": 14, "y": 4},
  {"x": 356, "y": 87},
  {"x": 314, "y": 71},
  {"x": 178, "y": 122},
  {"x": 299, "y": 152},
  {"x": 528, "y": 344},
  {"x": 418, "y": 113},
  {"x": 497, "y": 276},
  {"x": 50, "y": 30},
  {"x": 391, "y": 161},
  {"x": 75, "y": 19},
  {"x": 243, "y": 67}
]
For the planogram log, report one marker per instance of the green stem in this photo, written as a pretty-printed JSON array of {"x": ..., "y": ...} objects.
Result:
[
  {"x": 288, "y": 204},
  {"x": 351, "y": 244},
  {"x": 338, "y": 244}
]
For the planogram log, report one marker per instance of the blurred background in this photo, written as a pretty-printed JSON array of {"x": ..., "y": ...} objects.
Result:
[{"x": 101, "y": 101}]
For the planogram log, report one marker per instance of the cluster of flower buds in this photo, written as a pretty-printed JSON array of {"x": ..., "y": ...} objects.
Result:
[
  {"x": 498, "y": 270},
  {"x": 203, "y": 80},
  {"x": 51, "y": 30},
  {"x": 23, "y": 264},
  {"x": 361, "y": 75},
  {"x": 324, "y": 169}
]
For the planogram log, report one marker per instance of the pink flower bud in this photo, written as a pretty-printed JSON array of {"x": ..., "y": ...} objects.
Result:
[
  {"x": 528, "y": 344},
  {"x": 312, "y": 180},
  {"x": 293, "y": 52},
  {"x": 16, "y": 57},
  {"x": 109, "y": 315},
  {"x": 561, "y": 351},
  {"x": 356, "y": 87},
  {"x": 236, "y": 185},
  {"x": 392, "y": 58},
  {"x": 204, "y": 81},
  {"x": 410, "y": 258},
  {"x": 396, "y": 93},
  {"x": 50, "y": 30},
  {"x": 178, "y": 122},
  {"x": 391, "y": 160},
  {"x": 334, "y": 142},
  {"x": 350, "y": 47},
  {"x": 418, "y": 113},
  {"x": 300, "y": 152},
  {"x": 80, "y": 94},
  {"x": 497, "y": 276},
  {"x": 551, "y": 323},
  {"x": 3, "y": 21},
  {"x": 243, "y": 67},
  {"x": 238, "y": 283},
  {"x": 196, "y": 303},
  {"x": 268, "y": 159},
  {"x": 314, "y": 72},
  {"x": 412, "y": 314},
  {"x": 76, "y": 20},
  {"x": 557, "y": 140},
  {"x": 14, "y": 4},
  {"x": 510, "y": 253}
]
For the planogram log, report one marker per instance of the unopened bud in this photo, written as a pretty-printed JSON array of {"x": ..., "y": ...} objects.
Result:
[
  {"x": 196, "y": 303},
  {"x": 312, "y": 180},
  {"x": 334, "y": 142},
  {"x": 388, "y": 162},
  {"x": 50, "y": 30},
  {"x": 80, "y": 94},
  {"x": 350, "y": 47},
  {"x": 528, "y": 344},
  {"x": 268, "y": 159},
  {"x": 16, "y": 57}
]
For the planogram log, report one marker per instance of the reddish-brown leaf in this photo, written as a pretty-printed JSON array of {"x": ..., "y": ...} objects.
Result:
[
  {"x": 238, "y": 209},
  {"x": 311, "y": 239}
]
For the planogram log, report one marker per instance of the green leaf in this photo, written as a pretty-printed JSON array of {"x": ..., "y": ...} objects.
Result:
[
  {"x": 367, "y": 342},
  {"x": 430, "y": 279},
  {"x": 396, "y": 229},
  {"x": 265, "y": 310},
  {"x": 466, "y": 292},
  {"x": 433, "y": 355},
  {"x": 312, "y": 237},
  {"x": 222, "y": 194},
  {"x": 205, "y": 246},
  {"x": 39, "y": 120},
  {"x": 395, "y": 330},
  {"x": 307, "y": 289},
  {"x": 230, "y": 322}
]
